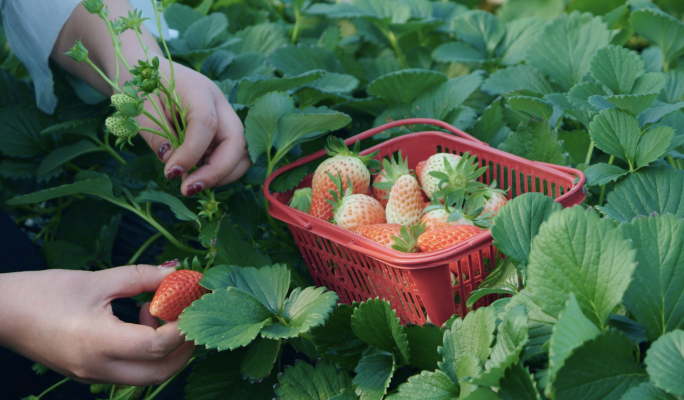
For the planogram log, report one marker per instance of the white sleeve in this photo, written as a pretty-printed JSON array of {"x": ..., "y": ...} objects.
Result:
[{"x": 32, "y": 28}]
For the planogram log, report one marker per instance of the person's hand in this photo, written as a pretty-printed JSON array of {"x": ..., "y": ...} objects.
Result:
[
  {"x": 63, "y": 320},
  {"x": 214, "y": 138}
]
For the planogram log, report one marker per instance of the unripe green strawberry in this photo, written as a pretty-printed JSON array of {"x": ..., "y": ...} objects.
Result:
[
  {"x": 117, "y": 126},
  {"x": 121, "y": 98}
]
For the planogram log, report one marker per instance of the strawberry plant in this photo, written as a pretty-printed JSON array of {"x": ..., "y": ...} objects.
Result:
[{"x": 589, "y": 300}]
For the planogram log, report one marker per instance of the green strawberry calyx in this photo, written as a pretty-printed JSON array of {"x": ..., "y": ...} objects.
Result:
[
  {"x": 336, "y": 146},
  {"x": 461, "y": 176},
  {"x": 392, "y": 170},
  {"x": 301, "y": 200},
  {"x": 407, "y": 241},
  {"x": 339, "y": 194}
]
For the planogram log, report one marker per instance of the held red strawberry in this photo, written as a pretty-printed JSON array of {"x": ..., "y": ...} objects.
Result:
[
  {"x": 177, "y": 291},
  {"x": 405, "y": 202},
  {"x": 353, "y": 210},
  {"x": 347, "y": 162},
  {"x": 444, "y": 238}
]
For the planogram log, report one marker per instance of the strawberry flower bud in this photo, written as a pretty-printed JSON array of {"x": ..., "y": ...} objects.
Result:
[
  {"x": 93, "y": 6},
  {"x": 78, "y": 52}
]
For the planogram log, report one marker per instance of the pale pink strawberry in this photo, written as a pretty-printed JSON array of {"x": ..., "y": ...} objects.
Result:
[
  {"x": 490, "y": 198},
  {"x": 353, "y": 210},
  {"x": 350, "y": 165},
  {"x": 405, "y": 202},
  {"x": 434, "y": 163},
  {"x": 444, "y": 171},
  {"x": 437, "y": 218},
  {"x": 419, "y": 168},
  {"x": 380, "y": 195}
]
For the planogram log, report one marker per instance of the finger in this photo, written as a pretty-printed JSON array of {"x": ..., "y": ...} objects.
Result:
[
  {"x": 202, "y": 124},
  {"x": 148, "y": 373},
  {"x": 139, "y": 342},
  {"x": 129, "y": 281},
  {"x": 227, "y": 155},
  {"x": 146, "y": 318},
  {"x": 239, "y": 170}
]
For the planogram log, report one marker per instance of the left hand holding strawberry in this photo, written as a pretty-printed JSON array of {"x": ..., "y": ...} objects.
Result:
[{"x": 63, "y": 319}]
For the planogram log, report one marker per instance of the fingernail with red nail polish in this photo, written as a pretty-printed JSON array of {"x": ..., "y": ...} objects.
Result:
[
  {"x": 169, "y": 264},
  {"x": 174, "y": 173},
  {"x": 195, "y": 188},
  {"x": 163, "y": 149}
]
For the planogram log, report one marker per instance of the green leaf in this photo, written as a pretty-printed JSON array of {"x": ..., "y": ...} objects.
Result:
[
  {"x": 577, "y": 252},
  {"x": 18, "y": 169},
  {"x": 83, "y": 127},
  {"x": 263, "y": 38},
  {"x": 576, "y": 143},
  {"x": 646, "y": 391},
  {"x": 660, "y": 189},
  {"x": 303, "y": 310},
  {"x": 259, "y": 360},
  {"x": 579, "y": 95},
  {"x": 61, "y": 254},
  {"x": 439, "y": 101},
  {"x": 490, "y": 127},
  {"x": 458, "y": 52},
  {"x": 616, "y": 132},
  {"x": 14, "y": 91},
  {"x": 297, "y": 60},
  {"x": 424, "y": 342},
  {"x": 566, "y": 46},
  {"x": 655, "y": 297},
  {"x": 633, "y": 103},
  {"x": 289, "y": 179},
  {"x": 405, "y": 85},
  {"x": 468, "y": 367},
  {"x": 655, "y": 114},
  {"x": 511, "y": 339},
  {"x": 177, "y": 207},
  {"x": 180, "y": 17},
  {"x": 218, "y": 377},
  {"x": 261, "y": 125},
  {"x": 517, "y": 384},
  {"x": 616, "y": 68},
  {"x": 335, "y": 340},
  {"x": 57, "y": 158},
  {"x": 86, "y": 183},
  {"x": 245, "y": 65},
  {"x": 232, "y": 249},
  {"x": 665, "y": 361},
  {"x": 373, "y": 374},
  {"x": 298, "y": 128},
  {"x": 654, "y": 143},
  {"x": 209, "y": 32},
  {"x": 332, "y": 82},
  {"x": 632, "y": 329},
  {"x": 601, "y": 369},
  {"x": 540, "y": 324},
  {"x": 428, "y": 386},
  {"x": 537, "y": 142},
  {"x": 651, "y": 82},
  {"x": 20, "y": 133},
  {"x": 518, "y": 39},
  {"x": 533, "y": 106},
  {"x": 502, "y": 280},
  {"x": 674, "y": 90},
  {"x": 251, "y": 89},
  {"x": 224, "y": 320},
  {"x": 480, "y": 29},
  {"x": 602, "y": 174},
  {"x": 377, "y": 324},
  {"x": 268, "y": 285},
  {"x": 471, "y": 336},
  {"x": 544, "y": 9},
  {"x": 304, "y": 382},
  {"x": 662, "y": 30},
  {"x": 571, "y": 330},
  {"x": 518, "y": 77},
  {"x": 345, "y": 394}
]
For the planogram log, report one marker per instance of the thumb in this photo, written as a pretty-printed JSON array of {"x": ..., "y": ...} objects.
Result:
[{"x": 131, "y": 280}]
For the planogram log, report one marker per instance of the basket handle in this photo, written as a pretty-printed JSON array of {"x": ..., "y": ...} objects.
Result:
[
  {"x": 413, "y": 121},
  {"x": 577, "y": 194}
]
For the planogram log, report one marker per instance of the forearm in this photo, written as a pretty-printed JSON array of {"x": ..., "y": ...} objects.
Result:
[{"x": 95, "y": 36}]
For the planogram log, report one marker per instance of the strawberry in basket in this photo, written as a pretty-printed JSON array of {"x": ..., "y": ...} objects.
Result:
[
  {"x": 446, "y": 170},
  {"x": 352, "y": 210},
  {"x": 348, "y": 163},
  {"x": 490, "y": 198},
  {"x": 394, "y": 236},
  {"x": 458, "y": 209},
  {"x": 405, "y": 202}
]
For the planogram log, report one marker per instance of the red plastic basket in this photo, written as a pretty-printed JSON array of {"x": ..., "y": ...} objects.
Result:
[{"x": 417, "y": 285}]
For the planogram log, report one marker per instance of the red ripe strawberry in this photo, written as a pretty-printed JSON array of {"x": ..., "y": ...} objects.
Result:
[
  {"x": 380, "y": 195},
  {"x": 346, "y": 162},
  {"x": 353, "y": 210},
  {"x": 449, "y": 236},
  {"x": 437, "y": 218},
  {"x": 405, "y": 202},
  {"x": 393, "y": 236},
  {"x": 177, "y": 291}
]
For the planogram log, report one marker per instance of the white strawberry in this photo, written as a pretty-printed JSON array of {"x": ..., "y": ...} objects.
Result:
[{"x": 405, "y": 202}]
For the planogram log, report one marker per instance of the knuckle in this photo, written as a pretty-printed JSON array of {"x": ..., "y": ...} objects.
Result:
[
  {"x": 207, "y": 120},
  {"x": 156, "y": 348}
]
